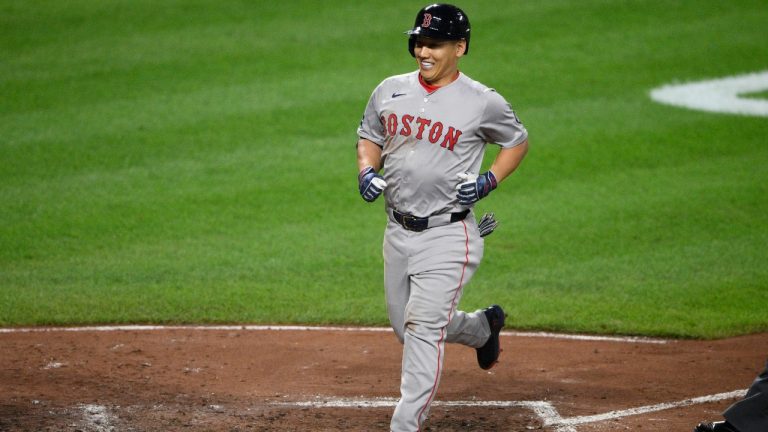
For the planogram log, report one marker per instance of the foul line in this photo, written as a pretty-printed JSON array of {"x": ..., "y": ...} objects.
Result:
[
  {"x": 627, "y": 339},
  {"x": 544, "y": 410}
]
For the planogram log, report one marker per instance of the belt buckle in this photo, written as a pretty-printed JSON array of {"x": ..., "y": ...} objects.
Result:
[{"x": 411, "y": 226}]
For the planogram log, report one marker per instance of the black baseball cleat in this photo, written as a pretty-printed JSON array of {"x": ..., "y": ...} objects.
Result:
[
  {"x": 488, "y": 354},
  {"x": 722, "y": 426}
]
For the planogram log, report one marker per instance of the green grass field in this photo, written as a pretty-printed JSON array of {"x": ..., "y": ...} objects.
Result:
[{"x": 193, "y": 161}]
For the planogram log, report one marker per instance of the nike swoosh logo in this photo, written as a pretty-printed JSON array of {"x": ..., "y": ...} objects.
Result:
[{"x": 394, "y": 95}]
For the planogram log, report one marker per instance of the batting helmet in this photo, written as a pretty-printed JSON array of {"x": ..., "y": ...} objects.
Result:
[{"x": 440, "y": 21}]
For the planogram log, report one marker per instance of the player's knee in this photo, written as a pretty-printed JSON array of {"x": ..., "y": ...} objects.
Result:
[{"x": 424, "y": 330}]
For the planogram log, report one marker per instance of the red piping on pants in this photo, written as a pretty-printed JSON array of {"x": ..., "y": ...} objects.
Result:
[{"x": 441, "y": 342}]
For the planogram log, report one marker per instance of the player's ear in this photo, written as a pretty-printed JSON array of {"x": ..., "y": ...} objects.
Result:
[{"x": 461, "y": 47}]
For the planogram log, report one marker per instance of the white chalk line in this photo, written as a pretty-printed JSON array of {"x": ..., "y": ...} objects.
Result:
[
  {"x": 650, "y": 408},
  {"x": 114, "y": 328},
  {"x": 626, "y": 339},
  {"x": 97, "y": 418},
  {"x": 546, "y": 412}
]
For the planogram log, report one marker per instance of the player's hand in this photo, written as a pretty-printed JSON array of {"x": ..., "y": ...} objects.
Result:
[
  {"x": 474, "y": 187},
  {"x": 371, "y": 184},
  {"x": 487, "y": 224}
]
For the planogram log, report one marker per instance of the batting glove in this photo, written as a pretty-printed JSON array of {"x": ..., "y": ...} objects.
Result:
[
  {"x": 474, "y": 187},
  {"x": 371, "y": 184},
  {"x": 487, "y": 224}
]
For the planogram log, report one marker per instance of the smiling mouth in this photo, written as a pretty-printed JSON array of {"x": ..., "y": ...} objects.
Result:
[{"x": 426, "y": 65}]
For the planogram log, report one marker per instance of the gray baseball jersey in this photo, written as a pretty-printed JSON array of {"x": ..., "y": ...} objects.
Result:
[{"x": 428, "y": 138}]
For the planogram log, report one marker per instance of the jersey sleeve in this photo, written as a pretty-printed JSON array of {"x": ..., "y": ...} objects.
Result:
[
  {"x": 499, "y": 124},
  {"x": 371, "y": 127}
]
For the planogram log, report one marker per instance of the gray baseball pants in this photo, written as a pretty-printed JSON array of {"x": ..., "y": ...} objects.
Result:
[{"x": 424, "y": 276}]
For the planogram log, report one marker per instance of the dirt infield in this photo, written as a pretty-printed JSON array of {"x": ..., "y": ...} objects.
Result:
[{"x": 255, "y": 379}]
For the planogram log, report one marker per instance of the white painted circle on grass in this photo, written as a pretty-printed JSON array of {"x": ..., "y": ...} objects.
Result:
[{"x": 723, "y": 95}]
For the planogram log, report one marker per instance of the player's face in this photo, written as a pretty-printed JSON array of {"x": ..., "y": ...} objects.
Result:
[{"x": 438, "y": 60}]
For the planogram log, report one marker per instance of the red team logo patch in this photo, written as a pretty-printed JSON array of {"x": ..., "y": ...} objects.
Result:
[{"x": 427, "y": 20}]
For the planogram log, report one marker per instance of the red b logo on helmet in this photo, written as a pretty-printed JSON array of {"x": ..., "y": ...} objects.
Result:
[{"x": 427, "y": 20}]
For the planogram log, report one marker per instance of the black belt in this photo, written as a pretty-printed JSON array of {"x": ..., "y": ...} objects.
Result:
[{"x": 418, "y": 224}]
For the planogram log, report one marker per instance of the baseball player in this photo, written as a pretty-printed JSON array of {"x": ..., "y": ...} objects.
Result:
[{"x": 421, "y": 144}]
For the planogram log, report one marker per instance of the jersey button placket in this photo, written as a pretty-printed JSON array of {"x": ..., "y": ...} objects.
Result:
[{"x": 424, "y": 105}]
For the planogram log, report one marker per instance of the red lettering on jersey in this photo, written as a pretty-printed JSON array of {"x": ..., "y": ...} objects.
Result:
[
  {"x": 427, "y": 20},
  {"x": 404, "y": 126},
  {"x": 435, "y": 132},
  {"x": 451, "y": 138},
  {"x": 422, "y": 124},
  {"x": 392, "y": 124},
  {"x": 406, "y": 130}
]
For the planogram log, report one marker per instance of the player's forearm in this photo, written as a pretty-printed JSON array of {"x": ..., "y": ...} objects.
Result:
[
  {"x": 368, "y": 154},
  {"x": 508, "y": 160}
]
